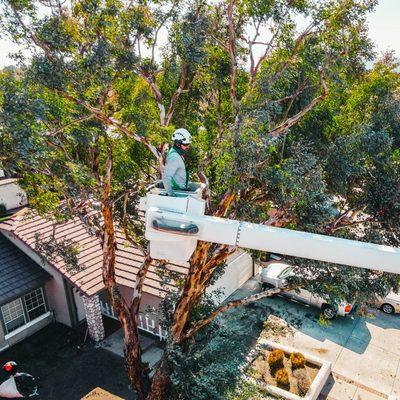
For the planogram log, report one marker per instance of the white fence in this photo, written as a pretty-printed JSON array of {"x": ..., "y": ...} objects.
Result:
[{"x": 145, "y": 322}]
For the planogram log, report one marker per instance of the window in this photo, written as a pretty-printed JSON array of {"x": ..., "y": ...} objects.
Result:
[
  {"x": 13, "y": 315},
  {"x": 23, "y": 310},
  {"x": 35, "y": 305}
]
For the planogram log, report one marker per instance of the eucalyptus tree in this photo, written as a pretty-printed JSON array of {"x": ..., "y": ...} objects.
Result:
[{"x": 86, "y": 119}]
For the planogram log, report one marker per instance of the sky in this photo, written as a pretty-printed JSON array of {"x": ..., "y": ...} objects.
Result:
[{"x": 384, "y": 26}]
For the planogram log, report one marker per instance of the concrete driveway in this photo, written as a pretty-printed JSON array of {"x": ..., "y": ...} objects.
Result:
[{"x": 364, "y": 351}]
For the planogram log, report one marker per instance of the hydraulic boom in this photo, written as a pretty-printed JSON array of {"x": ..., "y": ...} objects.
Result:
[{"x": 175, "y": 224}]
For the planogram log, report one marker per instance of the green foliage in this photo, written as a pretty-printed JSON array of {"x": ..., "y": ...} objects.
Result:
[
  {"x": 335, "y": 170},
  {"x": 275, "y": 359},
  {"x": 53, "y": 250},
  {"x": 203, "y": 375},
  {"x": 245, "y": 391},
  {"x": 211, "y": 366},
  {"x": 297, "y": 359},
  {"x": 189, "y": 35},
  {"x": 282, "y": 377}
]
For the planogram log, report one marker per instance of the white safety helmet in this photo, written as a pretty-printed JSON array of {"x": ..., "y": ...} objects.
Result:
[{"x": 182, "y": 135}]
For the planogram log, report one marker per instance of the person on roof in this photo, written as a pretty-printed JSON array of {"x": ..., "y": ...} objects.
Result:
[{"x": 175, "y": 175}]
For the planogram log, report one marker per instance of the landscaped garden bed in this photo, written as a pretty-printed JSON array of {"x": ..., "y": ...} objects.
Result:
[{"x": 285, "y": 372}]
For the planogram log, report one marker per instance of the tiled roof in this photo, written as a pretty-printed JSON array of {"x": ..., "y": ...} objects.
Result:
[
  {"x": 18, "y": 273},
  {"x": 26, "y": 223}
]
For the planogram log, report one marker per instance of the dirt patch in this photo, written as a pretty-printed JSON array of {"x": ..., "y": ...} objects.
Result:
[
  {"x": 300, "y": 379},
  {"x": 321, "y": 351},
  {"x": 100, "y": 394},
  {"x": 274, "y": 327}
]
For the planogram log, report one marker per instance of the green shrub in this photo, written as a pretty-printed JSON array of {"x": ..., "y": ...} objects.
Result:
[
  {"x": 297, "y": 360},
  {"x": 275, "y": 359},
  {"x": 282, "y": 377},
  {"x": 253, "y": 372}
]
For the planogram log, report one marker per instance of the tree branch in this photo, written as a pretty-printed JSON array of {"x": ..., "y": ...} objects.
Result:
[
  {"x": 299, "y": 41},
  {"x": 251, "y": 43},
  {"x": 293, "y": 120},
  {"x": 115, "y": 123},
  {"x": 156, "y": 92},
  {"x": 162, "y": 22},
  {"x": 254, "y": 70},
  {"x": 181, "y": 89},
  {"x": 75, "y": 121},
  {"x": 35, "y": 39},
  {"x": 234, "y": 303},
  {"x": 234, "y": 63},
  {"x": 139, "y": 283}
]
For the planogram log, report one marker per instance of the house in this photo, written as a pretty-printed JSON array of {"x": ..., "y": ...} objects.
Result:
[
  {"x": 70, "y": 295},
  {"x": 23, "y": 301}
]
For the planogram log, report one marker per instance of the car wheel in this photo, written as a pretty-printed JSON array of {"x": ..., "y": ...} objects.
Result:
[
  {"x": 328, "y": 311},
  {"x": 387, "y": 308}
]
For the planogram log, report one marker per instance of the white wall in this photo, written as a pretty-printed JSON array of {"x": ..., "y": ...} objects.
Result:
[
  {"x": 237, "y": 272},
  {"x": 54, "y": 288},
  {"x": 11, "y": 195},
  {"x": 80, "y": 309}
]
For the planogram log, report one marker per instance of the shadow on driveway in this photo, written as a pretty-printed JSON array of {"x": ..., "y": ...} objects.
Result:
[
  {"x": 352, "y": 332},
  {"x": 65, "y": 369}
]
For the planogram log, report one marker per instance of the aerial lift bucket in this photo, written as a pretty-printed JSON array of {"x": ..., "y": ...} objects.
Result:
[{"x": 172, "y": 240}]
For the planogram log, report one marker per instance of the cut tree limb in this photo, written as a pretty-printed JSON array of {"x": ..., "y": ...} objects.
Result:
[{"x": 234, "y": 303}]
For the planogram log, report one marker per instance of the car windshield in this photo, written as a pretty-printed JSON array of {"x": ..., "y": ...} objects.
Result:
[{"x": 286, "y": 272}]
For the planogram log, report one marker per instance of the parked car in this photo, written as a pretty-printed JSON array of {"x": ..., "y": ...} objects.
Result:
[
  {"x": 275, "y": 274},
  {"x": 389, "y": 304}
]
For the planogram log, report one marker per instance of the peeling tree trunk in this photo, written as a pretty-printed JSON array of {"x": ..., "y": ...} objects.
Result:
[
  {"x": 137, "y": 372},
  {"x": 161, "y": 380},
  {"x": 201, "y": 269},
  {"x": 202, "y": 265},
  {"x": 189, "y": 297}
]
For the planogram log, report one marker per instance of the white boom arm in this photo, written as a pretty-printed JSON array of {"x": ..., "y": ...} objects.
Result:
[{"x": 175, "y": 224}]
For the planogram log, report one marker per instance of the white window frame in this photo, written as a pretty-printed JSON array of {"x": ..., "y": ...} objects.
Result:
[
  {"x": 34, "y": 308},
  {"x": 25, "y": 311},
  {"x": 14, "y": 319}
]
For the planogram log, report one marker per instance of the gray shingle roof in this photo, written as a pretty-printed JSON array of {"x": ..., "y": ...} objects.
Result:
[{"x": 18, "y": 273}]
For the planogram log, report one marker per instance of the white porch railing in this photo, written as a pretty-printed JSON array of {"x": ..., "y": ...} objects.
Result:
[{"x": 145, "y": 322}]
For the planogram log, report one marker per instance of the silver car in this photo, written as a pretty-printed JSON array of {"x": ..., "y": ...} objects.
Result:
[
  {"x": 389, "y": 304},
  {"x": 275, "y": 274}
]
